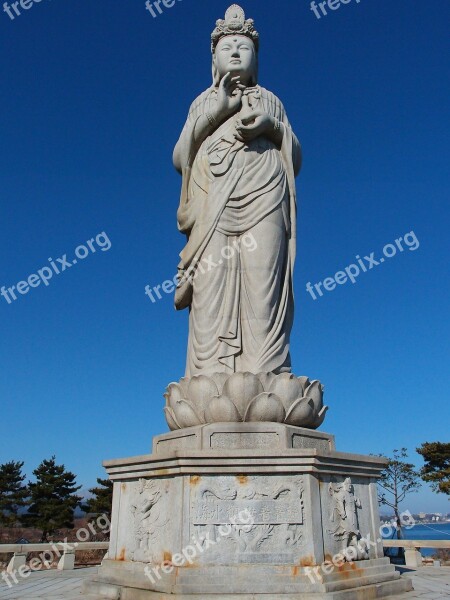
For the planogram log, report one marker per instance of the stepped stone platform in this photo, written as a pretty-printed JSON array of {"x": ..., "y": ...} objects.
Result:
[{"x": 430, "y": 583}]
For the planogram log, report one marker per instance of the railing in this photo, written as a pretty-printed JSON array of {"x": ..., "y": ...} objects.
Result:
[
  {"x": 65, "y": 552},
  {"x": 413, "y": 557}
]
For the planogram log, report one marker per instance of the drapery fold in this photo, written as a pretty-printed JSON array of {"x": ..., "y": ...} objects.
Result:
[{"x": 241, "y": 310}]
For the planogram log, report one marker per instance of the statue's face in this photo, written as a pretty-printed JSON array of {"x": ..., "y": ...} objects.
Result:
[{"x": 237, "y": 55}]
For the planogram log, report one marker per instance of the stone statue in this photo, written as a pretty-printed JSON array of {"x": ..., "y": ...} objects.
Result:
[
  {"x": 241, "y": 499},
  {"x": 239, "y": 157}
]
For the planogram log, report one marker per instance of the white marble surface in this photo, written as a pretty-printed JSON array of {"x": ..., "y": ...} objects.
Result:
[{"x": 239, "y": 158}]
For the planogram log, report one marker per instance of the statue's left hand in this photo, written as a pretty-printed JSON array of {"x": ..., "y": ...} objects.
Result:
[{"x": 254, "y": 125}]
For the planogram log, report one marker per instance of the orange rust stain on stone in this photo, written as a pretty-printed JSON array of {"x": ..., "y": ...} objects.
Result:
[
  {"x": 295, "y": 571},
  {"x": 242, "y": 479},
  {"x": 308, "y": 561},
  {"x": 358, "y": 572},
  {"x": 190, "y": 565},
  {"x": 167, "y": 557},
  {"x": 195, "y": 479},
  {"x": 121, "y": 555},
  {"x": 124, "y": 487},
  {"x": 344, "y": 574},
  {"x": 349, "y": 570}
]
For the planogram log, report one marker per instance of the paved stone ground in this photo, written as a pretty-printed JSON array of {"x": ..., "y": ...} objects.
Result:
[
  {"x": 430, "y": 583},
  {"x": 51, "y": 585}
]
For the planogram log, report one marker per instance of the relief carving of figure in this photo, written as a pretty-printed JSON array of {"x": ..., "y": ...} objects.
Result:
[
  {"x": 149, "y": 517},
  {"x": 344, "y": 516}
]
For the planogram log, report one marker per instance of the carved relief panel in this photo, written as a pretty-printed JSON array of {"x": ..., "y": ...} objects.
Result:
[
  {"x": 347, "y": 520},
  {"x": 247, "y": 518},
  {"x": 150, "y": 516}
]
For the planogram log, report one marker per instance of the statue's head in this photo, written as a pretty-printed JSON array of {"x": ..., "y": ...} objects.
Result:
[
  {"x": 235, "y": 44},
  {"x": 348, "y": 485}
]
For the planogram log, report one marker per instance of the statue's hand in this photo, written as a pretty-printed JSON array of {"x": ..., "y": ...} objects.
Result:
[
  {"x": 254, "y": 125},
  {"x": 229, "y": 96}
]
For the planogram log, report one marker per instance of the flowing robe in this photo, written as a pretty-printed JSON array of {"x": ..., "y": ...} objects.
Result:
[{"x": 239, "y": 214}]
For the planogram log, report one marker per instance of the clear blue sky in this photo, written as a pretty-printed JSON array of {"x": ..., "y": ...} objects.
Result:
[{"x": 94, "y": 95}]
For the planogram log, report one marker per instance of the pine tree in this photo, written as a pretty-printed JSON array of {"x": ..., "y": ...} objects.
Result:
[
  {"x": 53, "y": 498},
  {"x": 101, "y": 502},
  {"x": 13, "y": 493},
  {"x": 398, "y": 479},
  {"x": 437, "y": 465}
]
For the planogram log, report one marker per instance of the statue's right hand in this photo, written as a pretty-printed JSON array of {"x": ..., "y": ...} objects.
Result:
[{"x": 229, "y": 97}]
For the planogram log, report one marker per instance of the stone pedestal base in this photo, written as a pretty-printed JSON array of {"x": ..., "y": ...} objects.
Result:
[{"x": 246, "y": 510}]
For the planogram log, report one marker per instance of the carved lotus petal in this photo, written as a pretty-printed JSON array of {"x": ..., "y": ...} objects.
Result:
[
  {"x": 219, "y": 398},
  {"x": 201, "y": 390},
  {"x": 266, "y": 407},
  {"x": 170, "y": 418},
  {"x": 301, "y": 413},
  {"x": 266, "y": 380},
  {"x": 222, "y": 410},
  {"x": 304, "y": 383},
  {"x": 184, "y": 383},
  {"x": 219, "y": 379},
  {"x": 241, "y": 388},
  {"x": 320, "y": 418},
  {"x": 288, "y": 388},
  {"x": 185, "y": 414},
  {"x": 174, "y": 394},
  {"x": 315, "y": 392}
]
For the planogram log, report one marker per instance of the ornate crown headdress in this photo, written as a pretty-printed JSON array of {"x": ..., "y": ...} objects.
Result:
[{"x": 235, "y": 23}]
